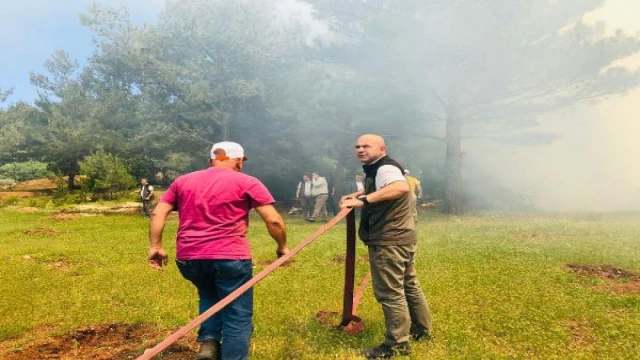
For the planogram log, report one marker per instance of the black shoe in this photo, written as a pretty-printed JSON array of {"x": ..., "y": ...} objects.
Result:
[
  {"x": 310, "y": 220},
  {"x": 386, "y": 352},
  {"x": 419, "y": 334},
  {"x": 209, "y": 350}
]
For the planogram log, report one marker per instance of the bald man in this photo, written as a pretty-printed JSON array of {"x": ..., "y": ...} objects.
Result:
[{"x": 388, "y": 228}]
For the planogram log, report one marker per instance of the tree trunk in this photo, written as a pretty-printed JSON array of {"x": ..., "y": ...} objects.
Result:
[
  {"x": 71, "y": 181},
  {"x": 453, "y": 163}
]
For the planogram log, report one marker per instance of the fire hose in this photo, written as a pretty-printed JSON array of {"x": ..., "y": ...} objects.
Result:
[{"x": 349, "y": 302}]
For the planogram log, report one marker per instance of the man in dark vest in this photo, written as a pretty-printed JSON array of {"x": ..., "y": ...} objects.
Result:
[
  {"x": 146, "y": 195},
  {"x": 388, "y": 228}
]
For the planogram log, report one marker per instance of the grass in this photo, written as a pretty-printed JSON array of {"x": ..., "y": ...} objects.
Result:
[{"x": 496, "y": 285}]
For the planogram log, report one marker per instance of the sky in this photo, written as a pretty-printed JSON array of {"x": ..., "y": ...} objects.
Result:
[
  {"x": 594, "y": 164},
  {"x": 31, "y": 30}
]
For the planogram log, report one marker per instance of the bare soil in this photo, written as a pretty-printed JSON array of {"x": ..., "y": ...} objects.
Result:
[
  {"x": 99, "y": 342},
  {"x": 619, "y": 281},
  {"x": 35, "y": 185},
  {"x": 42, "y": 231},
  {"x": 20, "y": 194}
]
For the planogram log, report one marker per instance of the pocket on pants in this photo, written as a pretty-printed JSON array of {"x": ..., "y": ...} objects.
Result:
[
  {"x": 186, "y": 269},
  {"x": 234, "y": 268}
]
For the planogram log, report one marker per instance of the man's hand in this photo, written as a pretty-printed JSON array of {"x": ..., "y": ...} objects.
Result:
[
  {"x": 282, "y": 251},
  {"x": 345, "y": 198},
  {"x": 157, "y": 258},
  {"x": 351, "y": 203}
]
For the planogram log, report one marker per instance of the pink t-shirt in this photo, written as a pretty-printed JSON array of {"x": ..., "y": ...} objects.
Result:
[{"x": 213, "y": 207}]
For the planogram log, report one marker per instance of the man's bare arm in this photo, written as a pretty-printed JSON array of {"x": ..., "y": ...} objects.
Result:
[
  {"x": 393, "y": 191},
  {"x": 390, "y": 192},
  {"x": 157, "y": 256},
  {"x": 275, "y": 226}
]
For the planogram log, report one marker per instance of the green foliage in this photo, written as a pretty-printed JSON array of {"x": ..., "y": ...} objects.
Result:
[
  {"x": 9, "y": 200},
  {"x": 106, "y": 174},
  {"x": 22, "y": 171},
  {"x": 41, "y": 202}
]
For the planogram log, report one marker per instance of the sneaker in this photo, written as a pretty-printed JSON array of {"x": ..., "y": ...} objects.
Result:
[
  {"x": 385, "y": 351},
  {"x": 311, "y": 220},
  {"x": 209, "y": 350}
]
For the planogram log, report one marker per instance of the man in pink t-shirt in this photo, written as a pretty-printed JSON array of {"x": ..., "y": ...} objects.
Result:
[{"x": 212, "y": 250}]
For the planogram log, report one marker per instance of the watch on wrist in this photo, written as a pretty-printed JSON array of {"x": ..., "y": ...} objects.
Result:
[{"x": 363, "y": 198}]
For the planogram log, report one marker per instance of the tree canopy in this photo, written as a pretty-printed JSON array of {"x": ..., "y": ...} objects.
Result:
[{"x": 426, "y": 75}]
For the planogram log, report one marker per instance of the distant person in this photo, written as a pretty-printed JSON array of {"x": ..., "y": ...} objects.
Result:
[
  {"x": 303, "y": 193},
  {"x": 356, "y": 185},
  {"x": 320, "y": 193},
  {"x": 416, "y": 189},
  {"x": 146, "y": 195},
  {"x": 414, "y": 184},
  {"x": 388, "y": 228},
  {"x": 212, "y": 250},
  {"x": 332, "y": 207}
]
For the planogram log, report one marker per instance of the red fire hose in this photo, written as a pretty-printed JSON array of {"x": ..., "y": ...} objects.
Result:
[{"x": 349, "y": 279}]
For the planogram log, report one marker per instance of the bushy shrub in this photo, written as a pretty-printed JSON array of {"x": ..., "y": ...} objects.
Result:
[
  {"x": 6, "y": 183},
  {"x": 23, "y": 171},
  {"x": 39, "y": 202},
  {"x": 106, "y": 174},
  {"x": 9, "y": 200}
]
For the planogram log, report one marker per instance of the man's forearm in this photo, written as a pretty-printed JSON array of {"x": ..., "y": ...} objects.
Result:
[
  {"x": 392, "y": 191},
  {"x": 278, "y": 232},
  {"x": 156, "y": 227},
  {"x": 355, "y": 194},
  {"x": 155, "y": 233}
]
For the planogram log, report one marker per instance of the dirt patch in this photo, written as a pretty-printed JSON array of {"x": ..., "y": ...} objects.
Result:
[
  {"x": 127, "y": 208},
  {"x": 58, "y": 263},
  {"x": 329, "y": 318},
  {"x": 271, "y": 261},
  {"x": 604, "y": 272},
  {"x": 63, "y": 217},
  {"x": 581, "y": 336},
  {"x": 616, "y": 280},
  {"x": 42, "y": 231},
  {"x": 533, "y": 236},
  {"x": 20, "y": 194},
  {"x": 102, "y": 342},
  {"x": 35, "y": 185}
]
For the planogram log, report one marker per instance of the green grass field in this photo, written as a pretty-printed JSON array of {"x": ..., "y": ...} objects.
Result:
[{"x": 497, "y": 285}]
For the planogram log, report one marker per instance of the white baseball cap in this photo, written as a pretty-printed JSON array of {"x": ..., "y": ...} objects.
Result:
[{"x": 227, "y": 150}]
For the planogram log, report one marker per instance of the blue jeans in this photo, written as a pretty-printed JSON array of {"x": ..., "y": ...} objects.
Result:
[{"x": 215, "y": 279}]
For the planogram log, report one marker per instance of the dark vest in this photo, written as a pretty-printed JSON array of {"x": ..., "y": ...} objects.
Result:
[
  {"x": 144, "y": 191},
  {"x": 388, "y": 222}
]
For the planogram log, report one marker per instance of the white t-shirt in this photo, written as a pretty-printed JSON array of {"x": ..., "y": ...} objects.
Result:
[
  {"x": 307, "y": 188},
  {"x": 388, "y": 174},
  {"x": 142, "y": 190}
]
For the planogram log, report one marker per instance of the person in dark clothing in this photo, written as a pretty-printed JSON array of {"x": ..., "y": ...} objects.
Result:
[
  {"x": 332, "y": 207},
  {"x": 146, "y": 195},
  {"x": 388, "y": 228}
]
